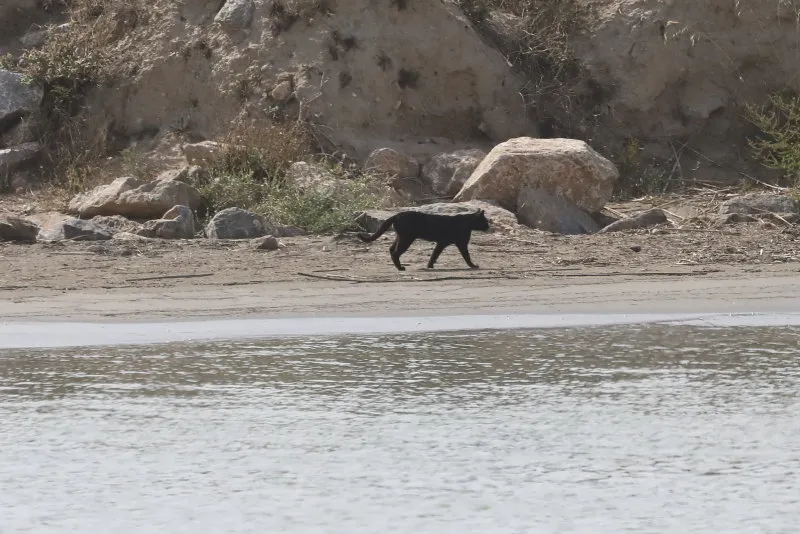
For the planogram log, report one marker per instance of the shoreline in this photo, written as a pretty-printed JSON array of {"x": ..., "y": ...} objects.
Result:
[{"x": 192, "y": 312}]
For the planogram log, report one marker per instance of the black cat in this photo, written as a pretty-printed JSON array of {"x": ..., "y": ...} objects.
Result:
[{"x": 443, "y": 229}]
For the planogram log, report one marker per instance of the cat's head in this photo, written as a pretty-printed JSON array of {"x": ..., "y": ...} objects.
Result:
[{"x": 480, "y": 222}]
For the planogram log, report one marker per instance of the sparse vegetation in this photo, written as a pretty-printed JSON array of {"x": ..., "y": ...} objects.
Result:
[
  {"x": 540, "y": 46},
  {"x": 638, "y": 176},
  {"x": 777, "y": 146},
  {"x": 285, "y": 13},
  {"x": 250, "y": 173}
]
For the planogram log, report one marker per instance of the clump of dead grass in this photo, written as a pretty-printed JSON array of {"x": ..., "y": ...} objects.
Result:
[{"x": 541, "y": 47}]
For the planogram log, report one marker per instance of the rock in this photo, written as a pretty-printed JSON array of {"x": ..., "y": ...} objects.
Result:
[
  {"x": 567, "y": 168},
  {"x": 735, "y": 218},
  {"x": 541, "y": 210},
  {"x": 237, "y": 223},
  {"x": 282, "y": 92},
  {"x": 177, "y": 223},
  {"x": 644, "y": 219},
  {"x": 447, "y": 173},
  {"x": 390, "y": 162},
  {"x": 235, "y": 15},
  {"x": 16, "y": 97},
  {"x": 499, "y": 218},
  {"x": 314, "y": 177},
  {"x": 115, "y": 223},
  {"x": 14, "y": 157},
  {"x": 289, "y": 231},
  {"x": 201, "y": 153},
  {"x": 759, "y": 203},
  {"x": 34, "y": 38},
  {"x": 75, "y": 230},
  {"x": 266, "y": 243},
  {"x": 18, "y": 229},
  {"x": 636, "y": 248},
  {"x": 130, "y": 197}
]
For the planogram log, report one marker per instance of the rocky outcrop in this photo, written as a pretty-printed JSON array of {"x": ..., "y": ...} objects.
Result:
[
  {"x": 390, "y": 162},
  {"x": 565, "y": 168},
  {"x": 177, "y": 223},
  {"x": 499, "y": 218},
  {"x": 73, "y": 229},
  {"x": 544, "y": 211},
  {"x": 237, "y": 223},
  {"x": 760, "y": 203},
  {"x": 644, "y": 219},
  {"x": 448, "y": 172},
  {"x": 130, "y": 197},
  {"x": 18, "y": 229},
  {"x": 16, "y": 97}
]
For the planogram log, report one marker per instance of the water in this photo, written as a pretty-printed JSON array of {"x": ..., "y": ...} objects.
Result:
[{"x": 628, "y": 428}]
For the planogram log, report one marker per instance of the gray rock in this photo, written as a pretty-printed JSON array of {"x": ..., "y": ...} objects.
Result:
[
  {"x": 177, "y": 223},
  {"x": 735, "y": 218},
  {"x": 15, "y": 157},
  {"x": 539, "y": 209},
  {"x": 266, "y": 243},
  {"x": 236, "y": 15},
  {"x": 447, "y": 173},
  {"x": 759, "y": 203},
  {"x": 644, "y": 219},
  {"x": 115, "y": 223},
  {"x": 130, "y": 197},
  {"x": 289, "y": 231},
  {"x": 237, "y": 223},
  {"x": 18, "y": 229},
  {"x": 76, "y": 230},
  {"x": 16, "y": 97},
  {"x": 498, "y": 217},
  {"x": 390, "y": 162}
]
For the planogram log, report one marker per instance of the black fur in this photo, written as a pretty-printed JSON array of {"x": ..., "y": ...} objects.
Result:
[{"x": 444, "y": 230}]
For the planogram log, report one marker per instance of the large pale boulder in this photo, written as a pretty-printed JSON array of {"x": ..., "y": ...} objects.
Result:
[
  {"x": 448, "y": 172},
  {"x": 238, "y": 223},
  {"x": 133, "y": 198},
  {"x": 544, "y": 211},
  {"x": 16, "y": 97},
  {"x": 177, "y": 223},
  {"x": 566, "y": 168}
]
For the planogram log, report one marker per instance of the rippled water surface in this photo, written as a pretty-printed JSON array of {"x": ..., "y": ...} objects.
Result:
[{"x": 650, "y": 428}]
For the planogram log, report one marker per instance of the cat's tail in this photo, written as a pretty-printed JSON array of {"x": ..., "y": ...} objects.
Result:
[{"x": 385, "y": 226}]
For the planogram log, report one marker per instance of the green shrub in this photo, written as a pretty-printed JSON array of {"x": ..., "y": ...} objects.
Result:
[
  {"x": 638, "y": 177},
  {"x": 777, "y": 146},
  {"x": 250, "y": 173}
]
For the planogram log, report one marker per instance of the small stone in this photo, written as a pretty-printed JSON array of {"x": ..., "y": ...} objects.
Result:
[
  {"x": 636, "y": 248},
  {"x": 282, "y": 92},
  {"x": 267, "y": 242},
  {"x": 644, "y": 219}
]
